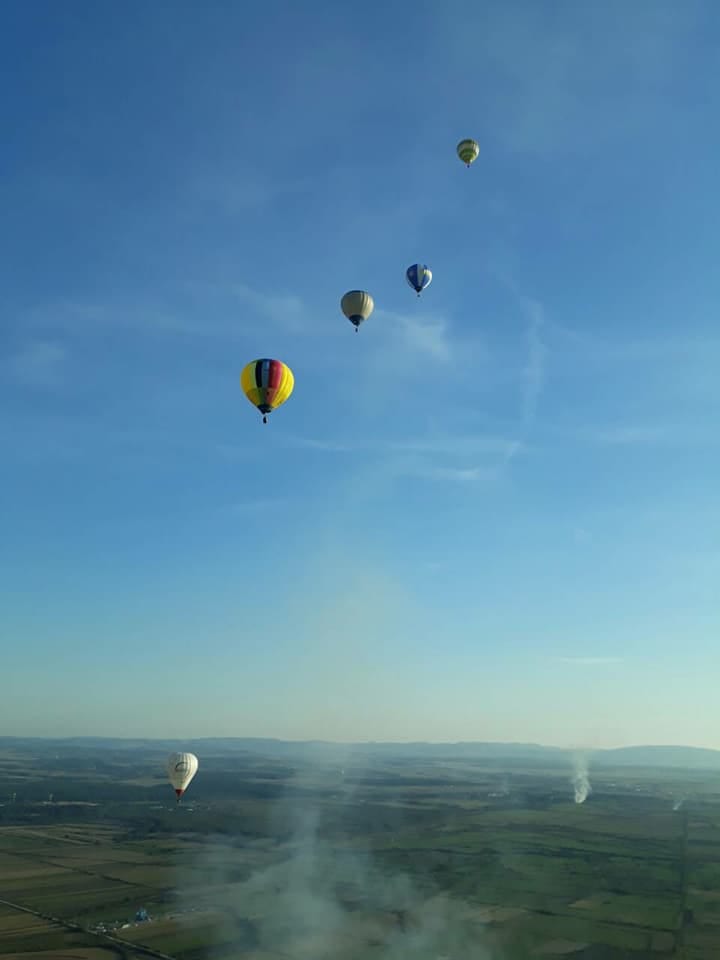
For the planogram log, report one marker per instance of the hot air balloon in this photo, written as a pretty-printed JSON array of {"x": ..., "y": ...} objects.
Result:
[
  {"x": 468, "y": 151},
  {"x": 181, "y": 768},
  {"x": 357, "y": 305},
  {"x": 419, "y": 276},
  {"x": 267, "y": 384}
]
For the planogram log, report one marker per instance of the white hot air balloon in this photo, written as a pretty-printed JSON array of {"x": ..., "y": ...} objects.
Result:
[
  {"x": 181, "y": 768},
  {"x": 357, "y": 305}
]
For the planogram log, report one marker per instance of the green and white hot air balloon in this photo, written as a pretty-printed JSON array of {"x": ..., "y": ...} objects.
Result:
[{"x": 468, "y": 151}]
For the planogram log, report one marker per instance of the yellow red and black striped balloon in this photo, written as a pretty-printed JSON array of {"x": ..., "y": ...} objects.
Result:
[{"x": 267, "y": 384}]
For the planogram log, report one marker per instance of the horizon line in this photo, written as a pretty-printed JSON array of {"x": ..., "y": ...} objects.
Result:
[{"x": 368, "y": 743}]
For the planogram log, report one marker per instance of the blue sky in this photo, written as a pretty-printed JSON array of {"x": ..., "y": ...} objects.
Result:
[{"x": 493, "y": 513}]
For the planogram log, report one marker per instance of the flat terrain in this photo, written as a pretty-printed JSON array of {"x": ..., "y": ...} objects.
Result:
[{"x": 275, "y": 859}]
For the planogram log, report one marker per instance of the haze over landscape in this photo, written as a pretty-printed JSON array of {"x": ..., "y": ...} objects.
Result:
[{"x": 492, "y": 514}]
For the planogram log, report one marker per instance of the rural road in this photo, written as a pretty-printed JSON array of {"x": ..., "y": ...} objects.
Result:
[{"x": 76, "y": 928}]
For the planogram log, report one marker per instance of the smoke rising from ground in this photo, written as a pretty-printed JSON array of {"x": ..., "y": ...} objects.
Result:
[
  {"x": 334, "y": 874},
  {"x": 321, "y": 896},
  {"x": 581, "y": 779}
]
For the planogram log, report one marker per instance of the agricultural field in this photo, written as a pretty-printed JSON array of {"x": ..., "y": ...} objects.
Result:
[{"x": 304, "y": 858}]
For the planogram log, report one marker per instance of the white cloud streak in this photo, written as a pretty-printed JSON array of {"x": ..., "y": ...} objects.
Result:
[
  {"x": 465, "y": 460},
  {"x": 455, "y": 474},
  {"x": 39, "y": 364},
  {"x": 448, "y": 458},
  {"x": 422, "y": 336},
  {"x": 245, "y": 191},
  {"x": 550, "y": 72},
  {"x": 429, "y": 469},
  {"x": 459, "y": 445},
  {"x": 259, "y": 505},
  {"x": 654, "y": 435},
  {"x": 589, "y": 661},
  {"x": 534, "y": 370},
  {"x": 285, "y": 311},
  {"x": 325, "y": 446},
  {"x": 533, "y": 375},
  {"x": 84, "y": 318}
]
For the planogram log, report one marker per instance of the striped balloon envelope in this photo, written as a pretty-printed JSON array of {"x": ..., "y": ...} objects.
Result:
[
  {"x": 419, "y": 276},
  {"x": 468, "y": 151},
  {"x": 267, "y": 384}
]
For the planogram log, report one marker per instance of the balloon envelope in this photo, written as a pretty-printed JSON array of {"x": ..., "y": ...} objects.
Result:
[
  {"x": 357, "y": 305},
  {"x": 181, "y": 768},
  {"x": 267, "y": 384},
  {"x": 419, "y": 276},
  {"x": 468, "y": 151}
]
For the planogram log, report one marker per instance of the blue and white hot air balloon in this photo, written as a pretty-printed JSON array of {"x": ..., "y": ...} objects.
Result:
[{"x": 419, "y": 276}]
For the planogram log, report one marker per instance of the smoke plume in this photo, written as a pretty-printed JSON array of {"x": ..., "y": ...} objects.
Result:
[
  {"x": 581, "y": 780},
  {"x": 317, "y": 897}
]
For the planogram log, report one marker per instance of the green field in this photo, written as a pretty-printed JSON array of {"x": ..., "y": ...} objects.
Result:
[{"x": 384, "y": 858}]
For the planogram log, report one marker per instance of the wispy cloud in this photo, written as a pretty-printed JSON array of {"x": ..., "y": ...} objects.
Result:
[
  {"x": 669, "y": 366},
  {"x": 421, "y": 335},
  {"x": 246, "y": 190},
  {"x": 286, "y": 311},
  {"x": 534, "y": 370},
  {"x": 417, "y": 338},
  {"x": 454, "y": 445},
  {"x": 455, "y": 474},
  {"x": 654, "y": 435},
  {"x": 452, "y": 458},
  {"x": 328, "y": 446},
  {"x": 589, "y": 661},
  {"x": 425, "y": 468},
  {"x": 258, "y": 505},
  {"x": 533, "y": 373},
  {"x": 548, "y": 74},
  {"x": 83, "y": 318},
  {"x": 229, "y": 451},
  {"x": 83, "y": 435},
  {"x": 431, "y": 455},
  {"x": 39, "y": 364},
  {"x": 425, "y": 335}
]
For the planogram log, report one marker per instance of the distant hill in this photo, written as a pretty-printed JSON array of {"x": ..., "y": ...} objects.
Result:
[
  {"x": 658, "y": 756},
  {"x": 319, "y": 750}
]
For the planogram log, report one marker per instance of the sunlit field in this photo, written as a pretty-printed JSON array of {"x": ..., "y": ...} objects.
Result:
[{"x": 356, "y": 857}]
